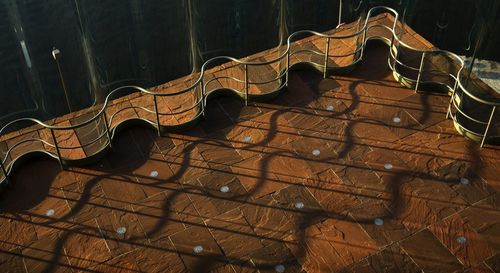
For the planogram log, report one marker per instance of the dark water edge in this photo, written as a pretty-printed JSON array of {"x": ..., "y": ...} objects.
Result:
[{"x": 108, "y": 43}]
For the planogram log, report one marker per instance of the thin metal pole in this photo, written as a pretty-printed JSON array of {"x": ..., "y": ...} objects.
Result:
[
  {"x": 56, "y": 53},
  {"x": 157, "y": 115},
  {"x": 340, "y": 13},
  {"x": 363, "y": 44},
  {"x": 107, "y": 128},
  {"x": 3, "y": 170},
  {"x": 452, "y": 97},
  {"x": 287, "y": 65},
  {"x": 57, "y": 148},
  {"x": 488, "y": 126},
  {"x": 420, "y": 72},
  {"x": 246, "y": 84},
  {"x": 327, "y": 55},
  {"x": 202, "y": 90}
]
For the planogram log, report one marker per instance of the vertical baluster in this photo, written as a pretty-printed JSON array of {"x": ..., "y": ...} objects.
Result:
[
  {"x": 202, "y": 90},
  {"x": 4, "y": 171},
  {"x": 288, "y": 64},
  {"x": 327, "y": 55},
  {"x": 452, "y": 96},
  {"x": 157, "y": 115},
  {"x": 488, "y": 126},
  {"x": 420, "y": 72},
  {"x": 246, "y": 84},
  {"x": 58, "y": 152},
  {"x": 108, "y": 133},
  {"x": 363, "y": 44}
]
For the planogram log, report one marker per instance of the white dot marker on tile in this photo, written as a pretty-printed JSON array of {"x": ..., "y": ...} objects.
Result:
[
  {"x": 279, "y": 268},
  {"x": 378, "y": 221},
  {"x": 388, "y": 166},
  {"x": 247, "y": 139},
  {"x": 396, "y": 120},
  {"x": 197, "y": 249},
  {"x": 464, "y": 181},
  {"x": 299, "y": 205},
  {"x": 121, "y": 230},
  {"x": 49, "y": 212},
  {"x": 461, "y": 240},
  {"x": 316, "y": 152},
  {"x": 153, "y": 173},
  {"x": 224, "y": 189},
  {"x": 329, "y": 108}
]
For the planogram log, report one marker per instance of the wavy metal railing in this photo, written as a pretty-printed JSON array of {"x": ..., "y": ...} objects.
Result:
[{"x": 411, "y": 66}]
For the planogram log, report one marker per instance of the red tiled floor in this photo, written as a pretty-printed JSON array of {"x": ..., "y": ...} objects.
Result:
[{"x": 292, "y": 184}]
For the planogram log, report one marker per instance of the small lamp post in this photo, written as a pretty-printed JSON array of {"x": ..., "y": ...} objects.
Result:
[{"x": 56, "y": 54}]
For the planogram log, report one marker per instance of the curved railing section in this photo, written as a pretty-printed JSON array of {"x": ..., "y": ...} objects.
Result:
[{"x": 180, "y": 103}]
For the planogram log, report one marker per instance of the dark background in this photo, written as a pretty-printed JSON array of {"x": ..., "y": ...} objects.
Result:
[{"x": 108, "y": 43}]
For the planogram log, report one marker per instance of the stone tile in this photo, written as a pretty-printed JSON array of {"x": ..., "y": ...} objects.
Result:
[
  {"x": 218, "y": 150},
  {"x": 392, "y": 259},
  {"x": 494, "y": 263},
  {"x": 267, "y": 219},
  {"x": 316, "y": 152},
  {"x": 12, "y": 262},
  {"x": 161, "y": 259},
  {"x": 391, "y": 231},
  {"x": 435, "y": 258},
  {"x": 122, "y": 230},
  {"x": 47, "y": 254},
  {"x": 484, "y": 217},
  {"x": 349, "y": 239},
  {"x": 85, "y": 201},
  {"x": 16, "y": 230},
  {"x": 186, "y": 162},
  {"x": 84, "y": 245},
  {"x": 51, "y": 215},
  {"x": 155, "y": 175},
  {"x": 234, "y": 235},
  {"x": 246, "y": 138},
  {"x": 300, "y": 206},
  {"x": 424, "y": 202},
  {"x": 158, "y": 217},
  {"x": 257, "y": 178},
  {"x": 121, "y": 190},
  {"x": 275, "y": 254},
  {"x": 123, "y": 263},
  {"x": 332, "y": 194},
  {"x": 473, "y": 251},
  {"x": 313, "y": 251},
  {"x": 189, "y": 240}
]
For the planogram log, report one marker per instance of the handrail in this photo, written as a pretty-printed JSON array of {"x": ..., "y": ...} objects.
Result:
[{"x": 199, "y": 82}]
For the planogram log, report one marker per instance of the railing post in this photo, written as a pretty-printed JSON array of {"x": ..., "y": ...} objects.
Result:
[
  {"x": 364, "y": 44},
  {"x": 287, "y": 65},
  {"x": 452, "y": 97},
  {"x": 420, "y": 72},
  {"x": 327, "y": 55},
  {"x": 58, "y": 152},
  {"x": 108, "y": 133},
  {"x": 4, "y": 170},
  {"x": 157, "y": 115},
  {"x": 246, "y": 84},
  {"x": 488, "y": 126},
  {"x": 202, "y": 90}
]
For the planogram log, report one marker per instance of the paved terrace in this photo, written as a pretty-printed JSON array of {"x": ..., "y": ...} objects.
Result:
[{"x": 347, "y": 173}]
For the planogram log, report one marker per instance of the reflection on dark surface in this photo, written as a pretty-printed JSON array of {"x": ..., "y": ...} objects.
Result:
[{"x": 109, "y": 43}]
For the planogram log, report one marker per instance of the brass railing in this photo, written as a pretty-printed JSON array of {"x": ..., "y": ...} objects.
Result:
[{"x": 411, "y": 66}]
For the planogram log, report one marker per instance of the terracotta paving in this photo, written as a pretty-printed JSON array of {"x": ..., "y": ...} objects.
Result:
[{"x": 340, "y": 174}]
